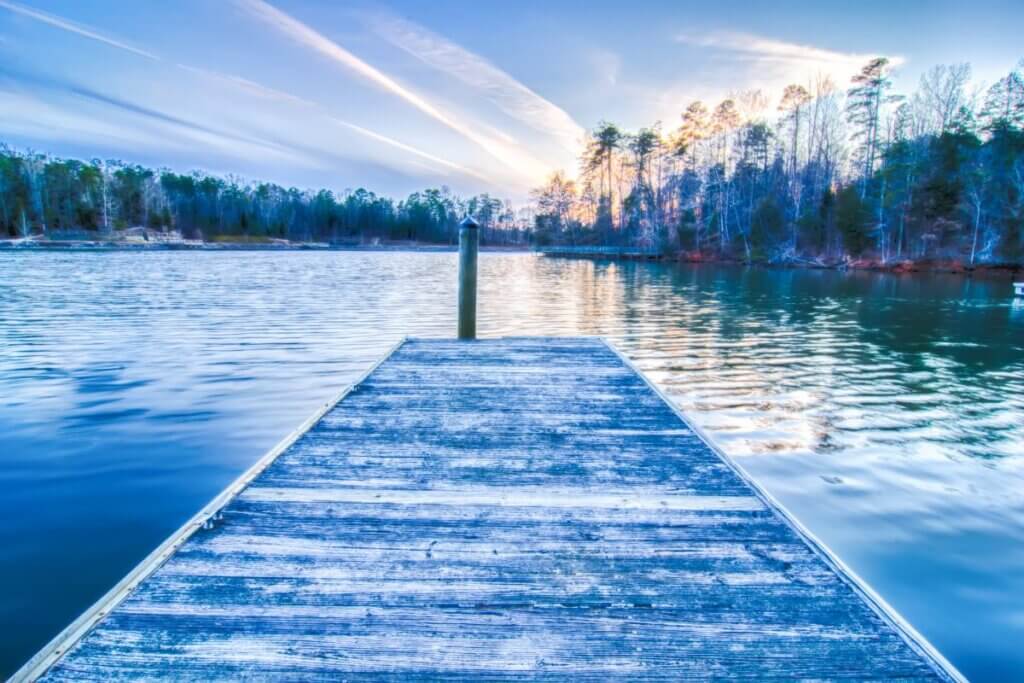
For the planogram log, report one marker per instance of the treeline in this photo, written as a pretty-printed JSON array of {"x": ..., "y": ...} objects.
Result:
[
  {"x": 41, "y": 195},
  {"x": 824, "y": 175}
]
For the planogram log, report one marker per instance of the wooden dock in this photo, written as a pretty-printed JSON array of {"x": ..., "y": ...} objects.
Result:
[{"x": 503, "y": 509}]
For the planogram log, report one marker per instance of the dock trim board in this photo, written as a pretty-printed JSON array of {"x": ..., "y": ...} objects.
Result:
[
  {"x": 80, "y": 627},
  {"x": 876, "y": 602}
]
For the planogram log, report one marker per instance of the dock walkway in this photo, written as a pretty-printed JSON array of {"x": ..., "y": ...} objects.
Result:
[{"x": 512, "y": 508}]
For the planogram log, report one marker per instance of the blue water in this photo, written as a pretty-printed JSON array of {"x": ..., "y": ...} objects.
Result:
[{"x": 887, "y": 412}]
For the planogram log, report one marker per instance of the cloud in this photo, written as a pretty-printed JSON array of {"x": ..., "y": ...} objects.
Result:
[
  {"x": 72, "y": 27},
  {"x": 606, "y": 64},
  {"x": 511, "y": 96},
  {"x": 260, "y": 90},
  {"x": 186, "y": 125},
  {"x": 309, "y": 37},
  {"x": 408, "y": 148},
  {"x": 305, "y": 35},
  {"x": 193, "y": 129},
  {"x": 24, "y": 114},
  {"x": 750, "y": 61},
  {"x": 235, "y": 143},
  {"x": 761, "y": 49},
  {"x": 251, "y": 87},
  {"x": 511, "y": 156}
]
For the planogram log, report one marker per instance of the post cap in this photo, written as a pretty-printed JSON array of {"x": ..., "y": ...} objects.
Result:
[{"x": 468, "y": 222}]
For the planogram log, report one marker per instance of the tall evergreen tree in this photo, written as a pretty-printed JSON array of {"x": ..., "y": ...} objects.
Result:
[{"x": 864, "y": 109}]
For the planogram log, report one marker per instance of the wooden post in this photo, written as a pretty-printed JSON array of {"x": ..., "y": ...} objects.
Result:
[{"x": 469, "y": 243}]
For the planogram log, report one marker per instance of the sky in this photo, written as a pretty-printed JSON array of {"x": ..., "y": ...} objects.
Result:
[{"x": 486, "y": 96}]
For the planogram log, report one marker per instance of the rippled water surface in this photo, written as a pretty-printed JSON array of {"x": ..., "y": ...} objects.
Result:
[{"x": 887, "y": 412}]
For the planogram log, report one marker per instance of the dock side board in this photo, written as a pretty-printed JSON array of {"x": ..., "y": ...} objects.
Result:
[{"x": 507, "y": 508}]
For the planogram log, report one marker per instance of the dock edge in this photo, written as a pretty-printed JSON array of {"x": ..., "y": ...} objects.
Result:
[
  {"x": 917, "y": 642},
  {"x": 52, "y": 652}
]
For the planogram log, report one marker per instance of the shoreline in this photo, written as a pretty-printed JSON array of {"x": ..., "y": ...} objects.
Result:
[
  {"x": 905, "y": 266},
  {"x": 901, "y": 267},
  {"x": 103, "y": 246}
]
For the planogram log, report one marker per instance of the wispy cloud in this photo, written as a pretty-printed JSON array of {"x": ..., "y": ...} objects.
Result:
[
  {"x": 365, "y": 132},
  {"x": 315, "y": 40},
  {"x": 248, "y": 86},
  {"x": 183, "y": 124},
  {"x": 263, "y": 91},
  {"x": 496, "y": 143},
  {"x": 196, "y": 129},
  {"x": 510, "y": 155},
  {"x": 770, "y": 49},
  {"x": 511, "y": 96},
  {"x": 606, "y": 65},
  {"x": 24, "y": 114},
  {"x": 171, "y": 127},
  {"x": 749, "y": 61},
  {"x": 72, "y": 27}
]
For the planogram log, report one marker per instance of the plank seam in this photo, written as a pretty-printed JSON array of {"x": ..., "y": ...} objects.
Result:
[
  {"x": 917, "y": 642},
  {"x": 66, "y": 640}
]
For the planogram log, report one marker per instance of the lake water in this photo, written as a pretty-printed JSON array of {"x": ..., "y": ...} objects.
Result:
[{"x": 886, "y": 412}]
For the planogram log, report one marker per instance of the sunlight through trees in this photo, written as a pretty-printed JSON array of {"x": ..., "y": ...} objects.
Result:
[{"x": 865, "y": 174}]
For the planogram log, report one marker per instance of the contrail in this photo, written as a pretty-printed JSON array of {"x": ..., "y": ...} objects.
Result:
[
  {"x": 510, "y": 155},
  {"x": 508, "y": 94},
  {"x": 408, "y": 148},
  {"x": 311, "y": 38},
  {"x": 72, "y": 27},
  {"x": 273, "y": 93}
]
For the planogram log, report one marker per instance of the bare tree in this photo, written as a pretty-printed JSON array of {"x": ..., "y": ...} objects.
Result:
[
  {"x": 942, "y": 94},
  {"x": 724, "y": 122},
  {"x": 794, "y": 100},
  {"x": 557, "y": 199}
]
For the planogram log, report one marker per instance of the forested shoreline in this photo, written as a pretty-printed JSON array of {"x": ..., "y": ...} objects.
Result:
[
  {"x": 68, "y": 199},
  {"x": 826, "y": 177}
]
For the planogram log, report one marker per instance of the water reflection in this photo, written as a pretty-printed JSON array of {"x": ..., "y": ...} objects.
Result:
[{"x": 886, "y": 411}]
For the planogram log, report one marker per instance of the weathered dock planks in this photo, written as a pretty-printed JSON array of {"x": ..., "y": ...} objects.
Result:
[{"x": 511, "y": 508}]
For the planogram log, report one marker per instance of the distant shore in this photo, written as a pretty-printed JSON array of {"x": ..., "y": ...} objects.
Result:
[
  {"x": 197, "y": 245},
  {"x": 951, "y": 266},
  {"x": 898, "y": 266}
]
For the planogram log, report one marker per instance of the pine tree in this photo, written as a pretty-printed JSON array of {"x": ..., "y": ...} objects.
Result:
[
  {"x": 864, "y": 106},
  {"x": 1004, "y": 104},
  {"x": 696, "y": 128},
  {"x": 794, "y": 98}
]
